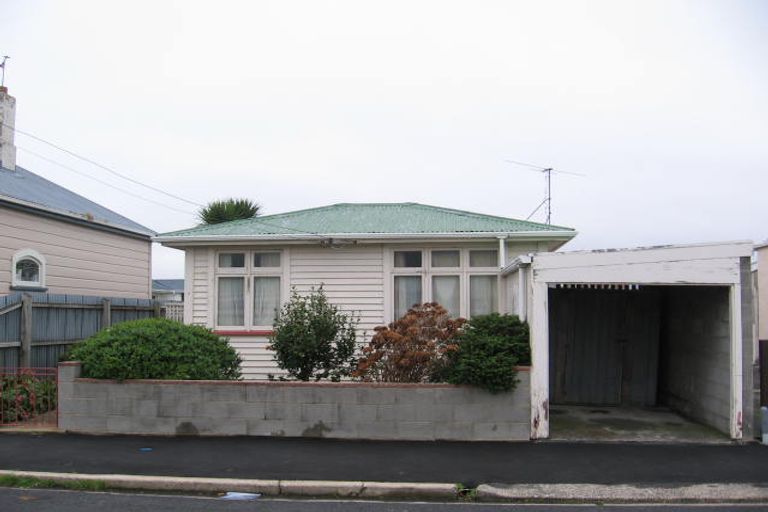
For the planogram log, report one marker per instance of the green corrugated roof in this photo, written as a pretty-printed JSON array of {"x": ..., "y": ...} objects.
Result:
[{"x": 368, "y": 219}]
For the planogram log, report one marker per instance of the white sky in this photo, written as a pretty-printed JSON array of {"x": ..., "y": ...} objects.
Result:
[{"x": 294, "y": 104}]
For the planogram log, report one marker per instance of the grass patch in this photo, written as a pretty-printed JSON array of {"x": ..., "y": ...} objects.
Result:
[
  {"x": 464, "y": 493},
  {"x": 30, "y": 482}
]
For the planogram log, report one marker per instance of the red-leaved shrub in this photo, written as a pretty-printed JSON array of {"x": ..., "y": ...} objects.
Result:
[{"x": 412, "y": 348}]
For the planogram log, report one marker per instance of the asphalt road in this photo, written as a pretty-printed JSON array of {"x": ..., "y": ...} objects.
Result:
[
  {"x": 22, "y": 500},
  {"x": 326, "y": 459}
]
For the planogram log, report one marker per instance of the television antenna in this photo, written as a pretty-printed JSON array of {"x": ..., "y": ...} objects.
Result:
[{"x": 547, "y": 172}]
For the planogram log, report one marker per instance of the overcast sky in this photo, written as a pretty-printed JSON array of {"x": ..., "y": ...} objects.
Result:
[{"x": 295, "y": 104}]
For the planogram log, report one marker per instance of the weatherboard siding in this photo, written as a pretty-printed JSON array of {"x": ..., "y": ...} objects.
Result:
[
  {"x": 356, "y": 278},
  {"x": 199, "y": 297},
  {"x": 352, "y": 278},
  {"x": 79, "y": 260},
  {"x": 258, "y": 361}
]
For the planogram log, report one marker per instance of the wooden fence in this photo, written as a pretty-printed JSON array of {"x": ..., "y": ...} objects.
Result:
[
  {"x": 173, "y": 310},
  {"x": 36, "y": 329}
]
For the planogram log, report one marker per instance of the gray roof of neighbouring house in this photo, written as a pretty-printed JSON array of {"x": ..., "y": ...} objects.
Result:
[
  {"x": 168, "y": 285},
  {"x": 28, "y": 189}
]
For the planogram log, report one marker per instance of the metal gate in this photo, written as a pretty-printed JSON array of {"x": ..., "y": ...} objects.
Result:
[{"x": 28, "y": 397}]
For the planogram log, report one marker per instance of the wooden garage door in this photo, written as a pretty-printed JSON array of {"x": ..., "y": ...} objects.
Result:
[{"x": 604, "y": 346}]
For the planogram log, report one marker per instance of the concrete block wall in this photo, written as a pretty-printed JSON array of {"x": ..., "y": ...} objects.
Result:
[
  {"x": 695, "y": 354},
  {"x": 334, "y": 410}
]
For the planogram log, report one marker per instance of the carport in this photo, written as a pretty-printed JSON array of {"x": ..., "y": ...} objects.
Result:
[{"x": 639, "y": 329}]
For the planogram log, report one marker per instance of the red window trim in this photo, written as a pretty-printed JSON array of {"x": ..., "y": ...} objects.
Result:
[{"x": 243, "y": 333}]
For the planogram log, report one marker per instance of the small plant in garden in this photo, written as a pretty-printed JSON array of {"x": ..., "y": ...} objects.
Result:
[
  {"x": 157, "y": 348},
  {"x": 313, "y": 339},
  {"x": 489, "y": 349},
  {"x": 413, "y": 348}
]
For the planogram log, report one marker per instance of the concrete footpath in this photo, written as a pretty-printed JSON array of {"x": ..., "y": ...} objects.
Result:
[{"x": 526, "y": 471}]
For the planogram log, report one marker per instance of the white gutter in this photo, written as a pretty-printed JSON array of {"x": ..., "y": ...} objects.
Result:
[
  {"x": 531, "y": 235},
  {"x": 521, "y": 262}
]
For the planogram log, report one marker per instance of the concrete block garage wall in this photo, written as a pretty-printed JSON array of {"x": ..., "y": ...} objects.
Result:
[
  {"x": 335, "y": 410},
  {"x": 695, "y": 354}
]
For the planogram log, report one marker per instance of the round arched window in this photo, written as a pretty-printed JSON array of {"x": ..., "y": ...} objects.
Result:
[{"x": 28, "y": 271}]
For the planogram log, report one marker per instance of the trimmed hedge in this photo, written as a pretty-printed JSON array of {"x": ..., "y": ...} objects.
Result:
[
  {"x": 157, "y": 348},
  {"x": 490, "y": 347}
]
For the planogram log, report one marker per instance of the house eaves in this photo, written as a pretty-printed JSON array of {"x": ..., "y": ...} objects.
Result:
[
  {"x": 37, "y": 209},
  {"x": 172, "y": 241}
]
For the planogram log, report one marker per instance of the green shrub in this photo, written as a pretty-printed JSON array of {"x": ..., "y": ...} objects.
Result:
[
  {"x": 157, "y": 348},
  {"x": 312, "y": 339},
  {"x": 490, "y": 347}
]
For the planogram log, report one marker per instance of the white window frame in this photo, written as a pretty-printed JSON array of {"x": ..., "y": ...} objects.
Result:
[
  {"x": 25, "y": 254},
  {"x": 249, "y": 273},
  {"x": 427, "y": 271}
]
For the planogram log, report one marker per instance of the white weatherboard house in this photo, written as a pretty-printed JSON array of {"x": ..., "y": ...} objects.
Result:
[
  {"x": 626, "y": 329},
  {"x": 372, "y": 259}
]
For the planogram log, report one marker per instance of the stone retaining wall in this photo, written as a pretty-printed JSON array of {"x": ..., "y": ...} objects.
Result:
[{"x": 346, "y": 410}]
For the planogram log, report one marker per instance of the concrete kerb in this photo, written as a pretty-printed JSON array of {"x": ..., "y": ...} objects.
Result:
[
  {"x": 345, "y": 489},
  {"x": 601, "y": 493}
]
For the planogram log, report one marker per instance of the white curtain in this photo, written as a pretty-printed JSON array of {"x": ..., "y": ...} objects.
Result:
[
  {"x": 407, "y": 293},
  {"x": 445, "y": 291},
  {"x": 231, "y": 260},
  {"x": 445, "y": 259},
  {"x": 231, "y": 301},
  {"x": 266, "y": 259},
  {"x": 411, "y": 259},
  {"x": 266, "y": 299},
  {"x": 27, "y": 271},
  {"x": 482, "y": 295},
  {"x": 484, "y": 258}
]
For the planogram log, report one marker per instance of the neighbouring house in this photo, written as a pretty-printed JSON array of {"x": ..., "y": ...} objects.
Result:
[
  {"x": 55, "y": 241},
  {"x": 375, "y": 260},
  {"x": 168, "y": 290},
  {"x": 762, "y": 290},
  {"x": 664, "y": 326}
]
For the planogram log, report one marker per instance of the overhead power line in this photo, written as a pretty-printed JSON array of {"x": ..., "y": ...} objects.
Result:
[
  {"x": 110, "y": 185},
  {"x": 101, "y": 166},
  {"x": 132, "y": 180}
]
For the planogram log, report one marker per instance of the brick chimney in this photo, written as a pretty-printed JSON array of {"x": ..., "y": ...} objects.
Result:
[{"x": 7, "y": 125}]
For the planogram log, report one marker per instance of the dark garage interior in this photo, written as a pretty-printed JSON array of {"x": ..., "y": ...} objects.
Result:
[{"x": 649, "y": 359}]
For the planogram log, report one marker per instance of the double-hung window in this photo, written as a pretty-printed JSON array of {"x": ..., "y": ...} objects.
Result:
[
  {"x": 445, "y": 275},
  {"x": 463, "y": 281},
  {"x": 249, "y": 288},
  {"x": 483, "y": 282},
  {"x": 407, "y": 280}
]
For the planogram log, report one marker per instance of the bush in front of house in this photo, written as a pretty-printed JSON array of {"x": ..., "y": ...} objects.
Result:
[
  {"x": 414, "y": 348},
  {"x": 157, "y": 348},
  {"x": 489, "y": 348},
  {"x": 313, "y": 339}
]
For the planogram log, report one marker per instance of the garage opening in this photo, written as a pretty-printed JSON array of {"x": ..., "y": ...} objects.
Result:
[{"x": 649, "y": 363}]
